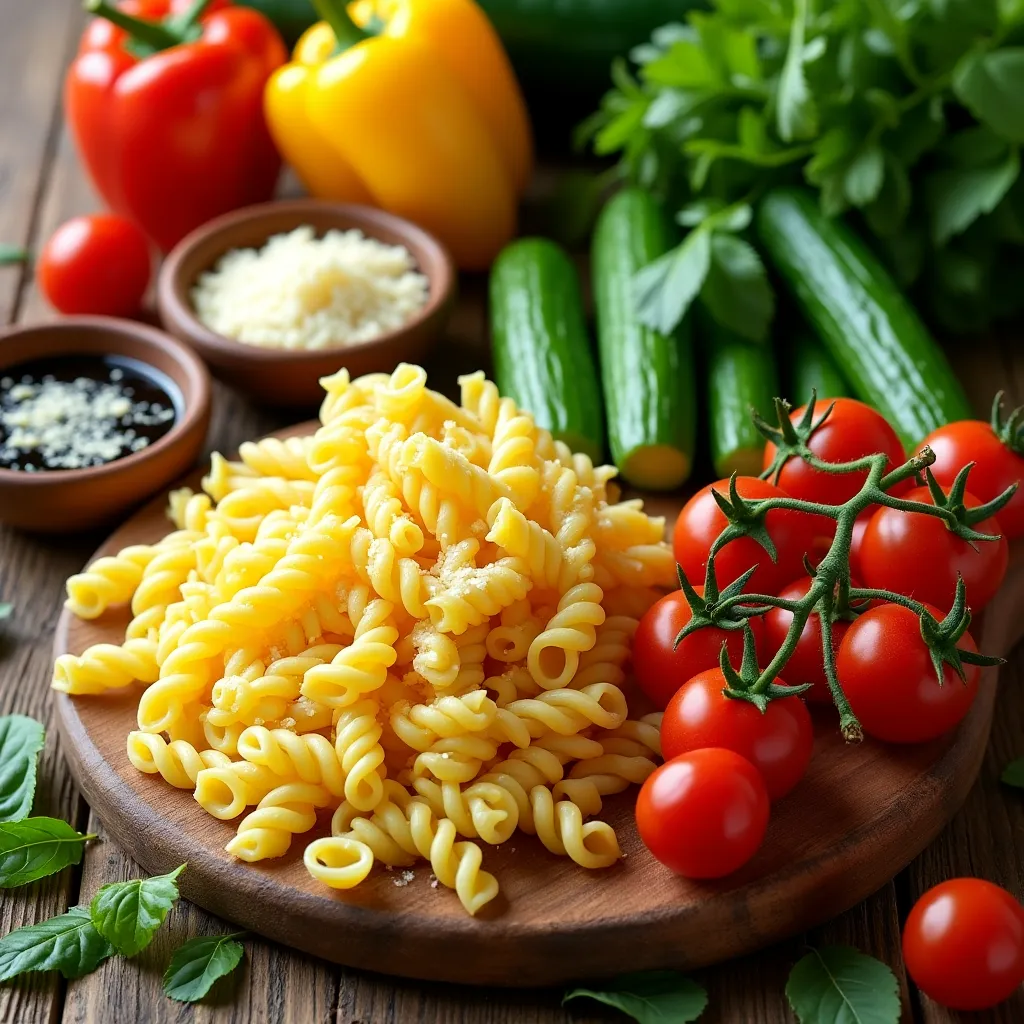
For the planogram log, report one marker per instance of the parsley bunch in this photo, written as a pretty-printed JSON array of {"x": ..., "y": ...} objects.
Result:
[{"x": 907, "y": 116}]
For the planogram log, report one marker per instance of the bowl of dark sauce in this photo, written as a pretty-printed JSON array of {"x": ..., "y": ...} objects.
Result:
[{"x": 96, "y": 414}]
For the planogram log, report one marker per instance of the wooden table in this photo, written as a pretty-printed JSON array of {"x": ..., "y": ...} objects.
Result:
[{"x": 40, "y": 186}]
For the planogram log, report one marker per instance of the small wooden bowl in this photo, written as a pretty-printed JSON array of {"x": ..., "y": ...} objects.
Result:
[
  {"x": 286, "y": 377},
  {"x": 78, "y": 499}
]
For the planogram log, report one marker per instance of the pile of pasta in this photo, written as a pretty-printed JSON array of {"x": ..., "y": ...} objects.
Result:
[{"x": 418, "y": 620}]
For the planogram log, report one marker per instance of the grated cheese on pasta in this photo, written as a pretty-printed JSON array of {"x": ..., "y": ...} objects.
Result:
[{"x": 304, "y": 292}]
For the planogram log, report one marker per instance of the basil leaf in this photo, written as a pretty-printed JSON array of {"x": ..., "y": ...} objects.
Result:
[
  {"x": 21, "y": 739},
  {"x": 796, "y": 115},
  {"x": 990, "y": 86},
  {"x": 863, "y": 179},
  {"x": 958, "y": 197},
  {"x": 197, "y": 964},
  {"x": 37, "y": 847},
  {"x": 12, "y": 254},
  {"x": 1013, "y": 774},
  {"x": 840, "y": 985},
  {"x": 649, "y": 997},
  {"x": 736, "y": 290},
  {"x": 128, "y": 914},
  {"x": 664, "y": 289},
  {"x": 68, "y": 943}
]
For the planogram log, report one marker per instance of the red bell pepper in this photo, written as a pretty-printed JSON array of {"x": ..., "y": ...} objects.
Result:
[{"x": 165, "y": 103}]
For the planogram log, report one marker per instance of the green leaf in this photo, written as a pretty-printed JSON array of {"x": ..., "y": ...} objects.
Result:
[
  {"x": 12, "y": 254},
  {"x": 664, "y": 289},
  {"x": 649, "y": 997},
  {"x": 37, "y": 847},
  {"x": 1013, "y": 774},
  {"x": 197, "y": 964},
  {"x": 840, "y": 985},
  {"x": 886, "y": 214},
  {"x": 128, "y": 914},
  {"x": 1011, "y": 12},
  {"x": 21, "y": 739},
  {"x": 736, "y": 290},
  {"x": 958, "y": 197},
  {"x": 990, "y": 85},
  {"x": 68, "y": 943},
  {"x": 863, "y": 179},
  {"x": 796, "y": 113}
]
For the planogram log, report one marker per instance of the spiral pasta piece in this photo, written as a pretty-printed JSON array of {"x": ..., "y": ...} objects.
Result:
[
  {"x": 568, "y": 711},
  {"x": 307, "y": 758},
  {"x": 386, "y": 516},
  {"x": 284, "y": 812},
  {"x": 514, "y": 464},
  {"x": 178, "y": 763},
  {"x": 360, "y": 754},
  {"x": 338, "y": 861},
  {"x": 108, "y": 581},
  {"x": 105, "y": 667},
  {"x": 555, "y": 654},
  {"x": 398, "y": 580},
  {"x": 478, "y": 592},
  {"x": 419, "y": 726}
]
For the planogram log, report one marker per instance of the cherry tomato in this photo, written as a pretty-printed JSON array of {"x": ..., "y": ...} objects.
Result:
[
  {"x": 914, "y": 554},
  {"x": 963, "y": 944},
  {"x": 886, "y": 672},
  {"x": 701, "y": 521},
  {"x": 996, "y": 467},
  {"x": 860, "y": 525},
  {"x": 777, "y": 743},
  {"x": 851, "y": 431},
  {"x": 660, "y": 670},
  {"x": 703, "y": 814},
  {"x": 95, "y": 264},
  {"x": 806, "y": 663}
]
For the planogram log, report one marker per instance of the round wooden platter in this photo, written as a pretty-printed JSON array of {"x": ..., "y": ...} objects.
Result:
[{"x": 861, "y": 814}]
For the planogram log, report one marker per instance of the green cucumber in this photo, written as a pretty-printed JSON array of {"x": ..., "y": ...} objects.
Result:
[
  {"x": 865, "y": 322},
  {"x": 741, "y": 377},
  {"x": 812, "y": 368},
  {"x": 649, "y": 378},
  {"x": 542, "y": 355}
]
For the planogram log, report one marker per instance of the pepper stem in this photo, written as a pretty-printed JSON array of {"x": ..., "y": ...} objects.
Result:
[
  {"x": 346, "y": 31},
  {"x": 152, "y": 36}
]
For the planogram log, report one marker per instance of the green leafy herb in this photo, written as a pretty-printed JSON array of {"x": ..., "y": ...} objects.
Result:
[
  {"x": 840, "y": 985},
  {"x": 11, "y": 254},
  {"x": 68, "y": 943},
  {"x": 1013, "y": 774},
  {"x": 904, "y": 116},
  {"x": 21, "y": 739},
  {"x": 128, "y": 914},
  {"x": 197, "y": 964},
  {"x": 649, "y": 997},
  {"x": 37, "y": 847}
]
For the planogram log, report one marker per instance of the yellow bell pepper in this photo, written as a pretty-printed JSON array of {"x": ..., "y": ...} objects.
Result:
[{"x": 420, "y": 115}]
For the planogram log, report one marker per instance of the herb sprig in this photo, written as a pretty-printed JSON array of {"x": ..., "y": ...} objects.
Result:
[{"x": 905, "y": 116}]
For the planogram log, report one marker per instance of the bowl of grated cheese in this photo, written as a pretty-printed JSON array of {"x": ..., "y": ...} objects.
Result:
[
  {"x": 96, "y": 414},
  {"x": 276, "y": 296}
]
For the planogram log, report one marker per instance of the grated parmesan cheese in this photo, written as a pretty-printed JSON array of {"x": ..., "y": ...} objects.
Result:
[{"x": 309, "y": 293}]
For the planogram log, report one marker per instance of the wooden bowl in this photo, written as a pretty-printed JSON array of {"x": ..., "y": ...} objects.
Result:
[
  {"x": 288, "y": 377},
  {"x": 78, "y": 499}
]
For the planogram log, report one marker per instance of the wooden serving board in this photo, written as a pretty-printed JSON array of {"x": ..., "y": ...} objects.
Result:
[{"x": 861, "y": 814}]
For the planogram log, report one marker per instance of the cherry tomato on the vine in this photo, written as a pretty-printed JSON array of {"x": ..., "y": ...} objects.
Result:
[
  {"x": 886, "y": 672},
  {"x": 777, "y": 743},
  {"x": 860, "y": 526},
  {"x": 659, "y": 670},
  {"x": 996, "y": 467},
  {"x": 963, "y": 944},
  {"x": 703, "y": 814},
  {"x": 95, "y": 264},
  {"x": 851, "y": 431},
  {"x": 806, "y": 663},
  {"x": 701, "y": 521},
  {"x": 915, "y": 554}
]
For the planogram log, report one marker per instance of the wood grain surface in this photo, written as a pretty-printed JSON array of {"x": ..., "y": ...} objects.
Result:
[
  {"x": 860, "y": 815},
  {"x": 40, "y": 186}
]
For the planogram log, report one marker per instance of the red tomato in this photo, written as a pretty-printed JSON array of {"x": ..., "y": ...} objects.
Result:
[
  {"x": 660, "y": 670},
  {"x": 777, "y": 743},
  {"x": 914, "y": 554},
  {"x": 805, "y": 665},
  {"x": 95, "y": 264},
  {"x": 701, "y": 521},
  {"x": 703, "y": 814},
  {"x": 996, "y": 467},
  {"x": 852, "y": 431},
  {"x": 860, "y": 525},
  {"x": 886, "y": 673},
  {"x": 963, "y": 944}
]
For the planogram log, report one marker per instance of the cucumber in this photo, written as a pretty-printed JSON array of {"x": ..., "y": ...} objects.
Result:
[
  {"x": 741, "y": 376},
  {"x": 812, "y": 368},
  {"x": 649, "y": 378},
  {"x": 542, "y": 355},
  {"x": 865, "y": 322}
]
